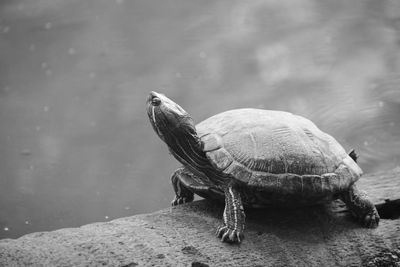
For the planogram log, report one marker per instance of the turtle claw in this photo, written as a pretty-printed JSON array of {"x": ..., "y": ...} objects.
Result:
[
  {"x": 361, "y": 207},
  {"x": 181, "y": 200},
  {"x": 229, "y": 235},
  {"x": 371, "y": 220}
]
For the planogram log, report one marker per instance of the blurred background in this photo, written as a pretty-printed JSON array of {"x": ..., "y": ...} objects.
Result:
[{"x": 76, "y": 145}]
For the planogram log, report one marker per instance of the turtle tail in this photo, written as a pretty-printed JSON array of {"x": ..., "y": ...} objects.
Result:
[{"x": 352, "y": 153}]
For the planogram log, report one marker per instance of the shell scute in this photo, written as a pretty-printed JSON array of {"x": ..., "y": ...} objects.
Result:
[
  {"x": 352, "y": 167},
  {"x": 238, "y": 171},
  {"x": 335, "y": 181},
  {"x": 346, "y": 174},
  {"x": 211, "y": 142},
  {"x": 220, "y": 159},
  {"x": 260, "y": 180}
]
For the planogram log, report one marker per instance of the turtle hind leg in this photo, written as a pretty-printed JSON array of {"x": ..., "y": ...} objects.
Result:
[
  {"x": 179, "y": 182},
  {"x": 234, "y": 217},
  {"x": 361, "y": 207}
]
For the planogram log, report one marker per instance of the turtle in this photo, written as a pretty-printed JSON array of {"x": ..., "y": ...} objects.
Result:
[{"x": 257, "y": 158}]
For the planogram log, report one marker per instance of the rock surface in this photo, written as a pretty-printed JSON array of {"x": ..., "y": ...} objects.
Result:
[{"x": 184, "y": 236}]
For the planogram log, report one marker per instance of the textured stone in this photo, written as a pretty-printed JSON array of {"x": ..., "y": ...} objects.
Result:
[{"x": 184, "y": 236}]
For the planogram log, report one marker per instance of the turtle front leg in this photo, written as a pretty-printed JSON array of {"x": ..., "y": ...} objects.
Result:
[
  {"x": 361, "y": 207},
  {"x": 182, "y": 193},
  {"x": 234, "y": 217}
]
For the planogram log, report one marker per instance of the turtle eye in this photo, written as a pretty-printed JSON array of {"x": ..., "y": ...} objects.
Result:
[{"x": 155, "y": 101}]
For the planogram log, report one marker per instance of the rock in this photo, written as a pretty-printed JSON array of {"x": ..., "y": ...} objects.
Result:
[{"x": 184, "y": 236}]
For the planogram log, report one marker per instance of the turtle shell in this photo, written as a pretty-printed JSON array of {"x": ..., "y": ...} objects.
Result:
[{"x": 276, "y": 150}]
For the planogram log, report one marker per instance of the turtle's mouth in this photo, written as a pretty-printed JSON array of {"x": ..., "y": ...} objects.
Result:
[
  {"x": 154, "y": 123},
  {"x": 154, "y": 102}
]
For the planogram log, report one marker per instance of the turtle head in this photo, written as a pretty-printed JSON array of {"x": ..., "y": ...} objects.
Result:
[{"x": 168, "y": 119}]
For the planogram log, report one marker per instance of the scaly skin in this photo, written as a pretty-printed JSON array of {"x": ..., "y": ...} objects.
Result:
[
  {"x": 361, "y": 207},
  {"x": 234, "y": 217},
  {"x": 182, "y": 193}
]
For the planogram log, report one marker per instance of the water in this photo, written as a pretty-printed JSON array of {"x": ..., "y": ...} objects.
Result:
[{"x": 75, "y": 143}]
